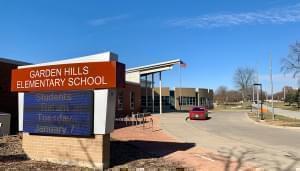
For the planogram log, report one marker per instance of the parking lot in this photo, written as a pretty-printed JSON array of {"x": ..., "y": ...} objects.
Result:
[{"x": 234, "y": 135}]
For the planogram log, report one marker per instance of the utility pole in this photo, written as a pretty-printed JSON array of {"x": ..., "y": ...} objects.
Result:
[{"x": 272, "y": 95}]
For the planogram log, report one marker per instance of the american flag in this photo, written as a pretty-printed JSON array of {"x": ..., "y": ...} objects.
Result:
[{"x": 182, "y": 64}]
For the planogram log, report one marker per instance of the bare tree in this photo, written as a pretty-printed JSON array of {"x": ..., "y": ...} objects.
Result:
[
  {"x": 291, "y": 63},
  {"x": 220, "y": 95},
  {"x": 234, "y": 96},
  {"x": 243, "y": 79}
]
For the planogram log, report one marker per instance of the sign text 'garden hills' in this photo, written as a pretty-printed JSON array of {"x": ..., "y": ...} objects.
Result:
[{"x": 93, "y": 75}]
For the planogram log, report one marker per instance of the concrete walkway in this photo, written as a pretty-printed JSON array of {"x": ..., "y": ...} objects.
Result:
[{"x": 287, "y": 113}]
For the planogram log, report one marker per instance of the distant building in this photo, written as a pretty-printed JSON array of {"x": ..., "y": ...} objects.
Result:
[{"x": 185, "y": 98}]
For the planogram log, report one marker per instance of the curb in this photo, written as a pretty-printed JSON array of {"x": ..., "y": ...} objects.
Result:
[{"x": 272, "y": 126}]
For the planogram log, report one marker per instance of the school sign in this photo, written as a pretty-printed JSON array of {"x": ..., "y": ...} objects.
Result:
[{"x": 67, "y": 108}]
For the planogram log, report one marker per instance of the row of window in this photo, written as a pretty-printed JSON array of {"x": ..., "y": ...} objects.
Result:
[
  {"x": 187, "y": 101},
  {"x": 192, "y": 101},
  {"x": 165, "y": 100},
  {"x": 120, "y": 100},
  {"x": 183, "y": 101}
]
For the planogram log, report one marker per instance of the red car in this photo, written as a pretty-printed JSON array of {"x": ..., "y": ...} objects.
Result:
[{"x": 199, "y": 112}]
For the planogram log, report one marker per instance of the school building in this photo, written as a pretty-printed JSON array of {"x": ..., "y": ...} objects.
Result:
[{"x": 139, "y": 94}]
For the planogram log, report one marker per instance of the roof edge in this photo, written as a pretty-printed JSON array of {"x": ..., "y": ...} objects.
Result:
[{"x": 12, "y": 61}]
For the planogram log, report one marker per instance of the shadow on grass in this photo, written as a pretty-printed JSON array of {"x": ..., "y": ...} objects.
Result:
[
  {"x": 13, "y": 158},
  {"x": 123, "y": 152}
]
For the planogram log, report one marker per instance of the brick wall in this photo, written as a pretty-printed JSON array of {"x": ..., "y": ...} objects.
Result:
[
  {"x": 8, "y": 100},
  {"x": 130, "y": 87},
  {"x": 89, "y": 152}
]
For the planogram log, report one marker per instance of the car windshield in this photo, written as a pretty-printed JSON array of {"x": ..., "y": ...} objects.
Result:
[{"x": 198, "y": 109}]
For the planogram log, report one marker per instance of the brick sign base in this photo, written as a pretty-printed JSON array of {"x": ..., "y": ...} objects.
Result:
[{"x": 87, "y": 152}]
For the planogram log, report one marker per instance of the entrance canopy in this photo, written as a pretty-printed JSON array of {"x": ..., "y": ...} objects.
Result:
[
  {"x": 154, "y": 68},
  {"x": 134, "y": 75}
]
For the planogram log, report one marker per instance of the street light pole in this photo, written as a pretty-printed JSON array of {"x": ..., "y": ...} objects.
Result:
[
  {"x": 252, "y": 99},
  {"x": 261, "y": 101}
]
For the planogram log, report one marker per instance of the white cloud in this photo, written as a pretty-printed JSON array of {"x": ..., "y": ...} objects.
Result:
[
  {"x": 106, "y": 20},
  {"x": 287, "y": 14}
]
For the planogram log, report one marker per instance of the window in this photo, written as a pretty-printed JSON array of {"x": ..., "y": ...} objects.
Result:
[
  {"x": 165, "y": 100},
  {"x": 120, "y": 101},
  {"x": 149, "y": 100},
  {"x": 132, "y": 100},
  {"x": 203, "y": 101},
  {"x": 187, "y": 101}
]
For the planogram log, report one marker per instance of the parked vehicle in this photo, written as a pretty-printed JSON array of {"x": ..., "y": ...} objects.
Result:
[{"x": 199, "y": 112}]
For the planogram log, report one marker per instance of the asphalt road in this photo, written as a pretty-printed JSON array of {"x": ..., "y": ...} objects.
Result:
[{"x": 234, "y": 135}]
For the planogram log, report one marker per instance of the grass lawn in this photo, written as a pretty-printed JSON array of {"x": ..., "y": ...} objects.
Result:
[{"x": 279, "y": 120}]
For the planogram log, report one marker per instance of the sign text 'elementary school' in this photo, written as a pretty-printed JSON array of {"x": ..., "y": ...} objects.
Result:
[
  {"x": 56, "y": 77},
  {"x": 76, "y": 76}
]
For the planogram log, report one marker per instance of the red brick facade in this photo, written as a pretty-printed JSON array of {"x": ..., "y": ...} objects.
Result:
[
  {"x": 8, "y": 100},
  {"x": 125, "y": 103}
]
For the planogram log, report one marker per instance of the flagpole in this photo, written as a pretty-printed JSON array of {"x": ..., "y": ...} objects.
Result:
[
  {"x": 271, "y": 78},
  {"x": 180, "y": 98}
]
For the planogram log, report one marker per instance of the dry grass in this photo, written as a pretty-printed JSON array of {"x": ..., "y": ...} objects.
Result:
[
  {"x": 123, "y": 155},
  {"x": 285, "y": 106},
  {"x": 279, "y": 120},
  {"x": 233, "y": 106}
]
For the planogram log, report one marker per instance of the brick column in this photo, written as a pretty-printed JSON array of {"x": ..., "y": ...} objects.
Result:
[{"x": 91, "y": 152}]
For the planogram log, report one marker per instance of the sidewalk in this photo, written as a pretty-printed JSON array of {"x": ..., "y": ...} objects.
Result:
[
  {"x": 278, "y": 111},
  {"x": 156, "y": 141},
  {"x": 287, "y": 113}
]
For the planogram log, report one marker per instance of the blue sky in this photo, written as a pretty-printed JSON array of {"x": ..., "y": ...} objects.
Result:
[{"x": 212, "y": 37}]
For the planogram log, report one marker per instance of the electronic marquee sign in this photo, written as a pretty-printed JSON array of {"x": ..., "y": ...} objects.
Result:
[
  {"x": 59, "y": 113},
  {"x": 74, "y": 76},
  {"x": 59, "y": 99}
]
